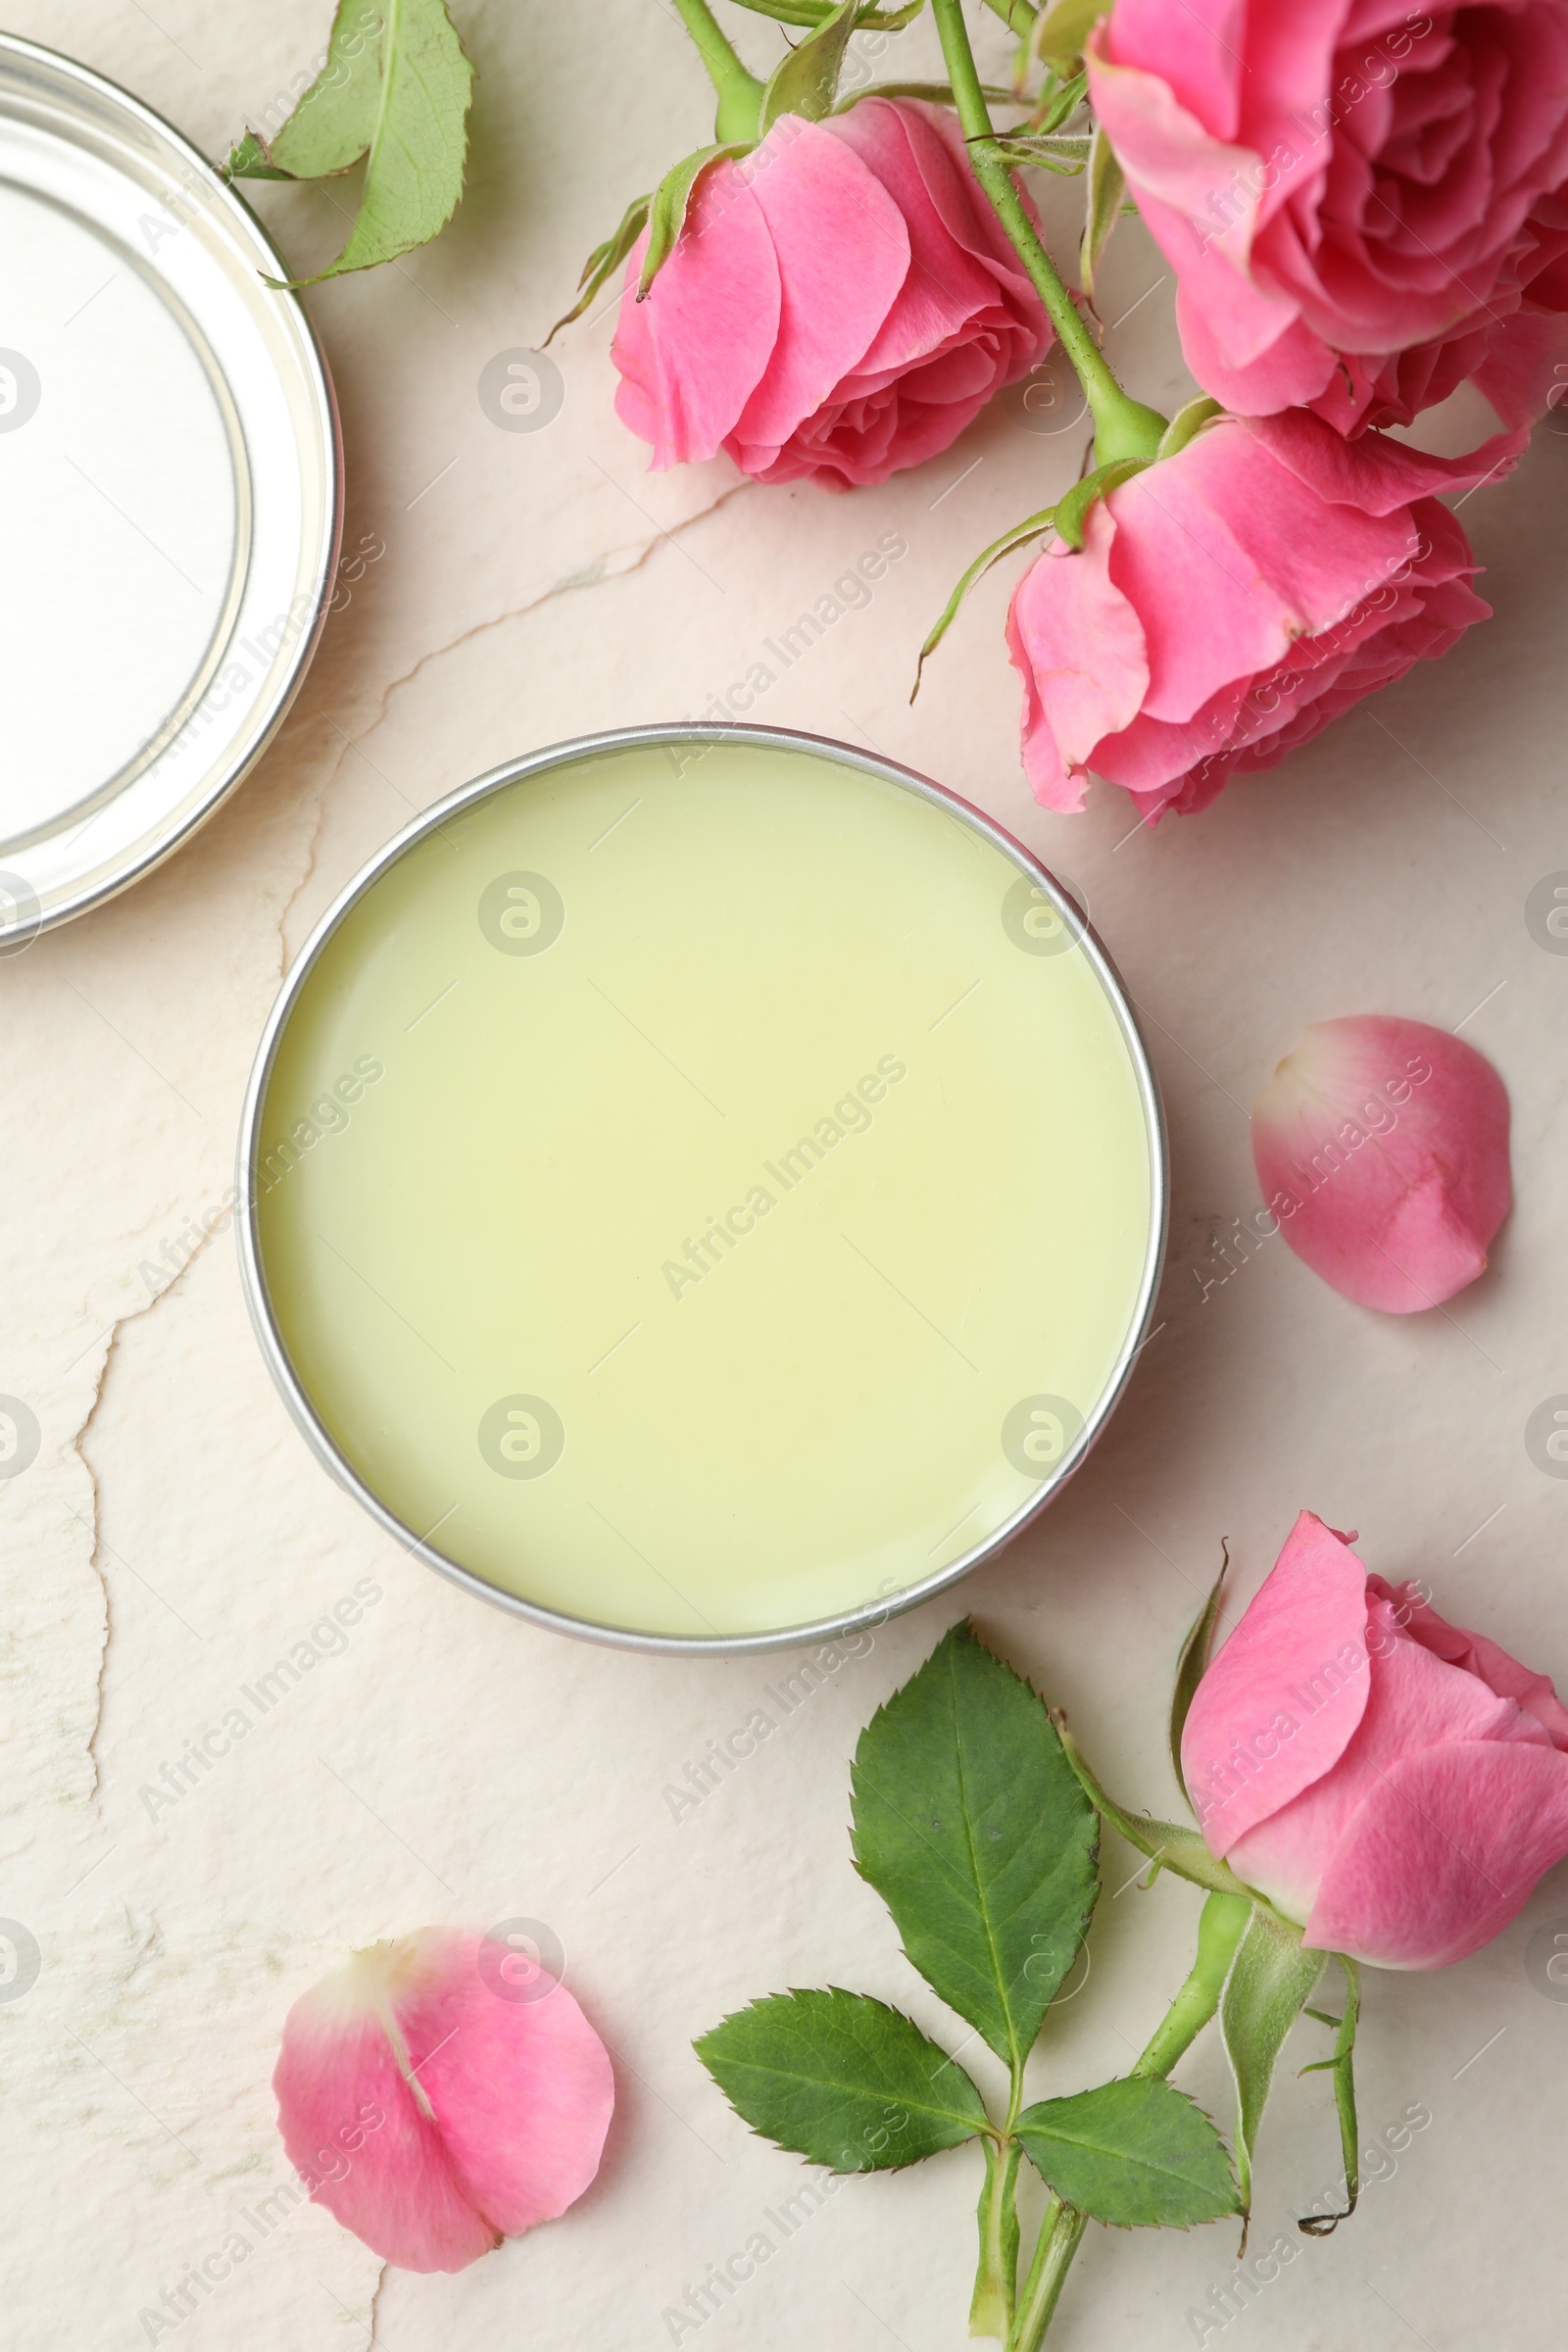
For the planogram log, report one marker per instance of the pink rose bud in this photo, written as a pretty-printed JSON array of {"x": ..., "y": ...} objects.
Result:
[
  {"x": 436, "y": 2096},
  {"x": 1382, "y": 1146},
  {"x": 1393, "y": 1783},
  {"x": 841, "y": 303},
  {"x": 1231, "y": 600}
]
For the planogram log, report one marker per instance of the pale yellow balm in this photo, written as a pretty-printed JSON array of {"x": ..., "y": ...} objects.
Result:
[{"x": 704, "y": 1191}]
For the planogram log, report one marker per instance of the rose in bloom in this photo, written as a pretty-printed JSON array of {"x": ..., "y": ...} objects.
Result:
[
  {"x": 1330, "y": 180},
  {"x": 1231, "y": 600},
  {"x": 841, "y": 303},
  {"x": 1382, "y": 1146},
  {"x": 1393, "y": 1783},
  {"x": 1515, "y": 351},
  {"x": 436, "y": 2096}
]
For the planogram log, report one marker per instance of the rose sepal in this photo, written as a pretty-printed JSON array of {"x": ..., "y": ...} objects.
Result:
[
  {"x": 1166, "y": 1843},
  {"x": 604, "y": 260},
  {"x": 1187, "y": 424},
  {"x": 815, "y": 13},
  {"x": 805, "y": 81},
  {"x": 1271, "y": 1976},
  {"x": 1018, "y": 535},
  {"x": 1192, "y": 1664},
  {"x": 1340, "y": 2066},
  {"x": 1072, "y": 511},
  {"x": 672, "y": 202}
]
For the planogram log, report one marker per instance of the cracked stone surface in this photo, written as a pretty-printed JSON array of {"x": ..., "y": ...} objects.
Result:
[{"x": 173, "y": 1539}]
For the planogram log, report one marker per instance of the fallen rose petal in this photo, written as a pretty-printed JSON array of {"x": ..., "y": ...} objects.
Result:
[
  {"x": 432, "y": 2114},
  {"x": 1382, "y": 1146}
]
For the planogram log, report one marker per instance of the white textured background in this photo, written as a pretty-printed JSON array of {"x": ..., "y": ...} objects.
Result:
[{"x": 172, "y": 1538}]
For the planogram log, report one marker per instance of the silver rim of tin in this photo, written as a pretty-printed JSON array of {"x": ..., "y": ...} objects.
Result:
[
  {"x": 303, "y": 1412},
  {"x": 46, "y": 97}
]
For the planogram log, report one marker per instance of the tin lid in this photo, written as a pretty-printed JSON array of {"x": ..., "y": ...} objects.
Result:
[{"x": 169, "y": 490}]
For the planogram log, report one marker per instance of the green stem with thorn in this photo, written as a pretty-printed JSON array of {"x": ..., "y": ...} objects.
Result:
[{"x": 1123, "y": 426}]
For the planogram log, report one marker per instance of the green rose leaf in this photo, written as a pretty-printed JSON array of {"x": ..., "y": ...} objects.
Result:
[
  {"x": 1135, "y": 2153},
  {"x": 843, "y": 2080},
  {"x": 334, "y": 122},
  {"x": 971, "y": 1824},
  {"x": 1268, "y": 1985},
  {"x": 394, "y": 90}
]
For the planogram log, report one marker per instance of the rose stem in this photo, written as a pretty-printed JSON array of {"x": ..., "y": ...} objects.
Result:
[
  {"x": 740, "y": 93},
  {"x": 996, "y": 2284},
  {"x": 1220, "y": 1929},
  {"x": 1123, "y": 427}
]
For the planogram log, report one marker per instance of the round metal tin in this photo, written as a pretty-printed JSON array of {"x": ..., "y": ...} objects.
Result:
[
  {"x": 170, "y": 490},
  {"x": 303, "y": 1410}
]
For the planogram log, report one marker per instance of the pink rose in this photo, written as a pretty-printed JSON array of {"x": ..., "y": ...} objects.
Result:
[
  {"x": 1231, "y": 600},
  {"x": 841, "y": 303},
  {"x": 1393, "y": 1783},
  {"x": 1382, "y": 1146},
  {"x": 1330, "y": 180},
  {"x": 1515, "y": 350}
]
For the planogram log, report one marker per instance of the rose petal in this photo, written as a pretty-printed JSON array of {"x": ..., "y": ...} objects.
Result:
[
  {"x": 694, "y": 351},
  {"x": 433, "y": 2115},
  {"x": 1383, "y": 1146},
  {"x": 1297, "y": 1656},
  {"x": 1077, "y": 641},
  {"x": 1337, "y": 184},
  {"x": 1479, "y": 1655},
  {"x": 1443, "y": 1854},
  {"x": 1415, "y": 1700}
]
